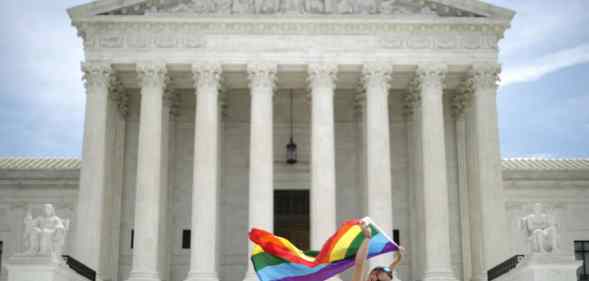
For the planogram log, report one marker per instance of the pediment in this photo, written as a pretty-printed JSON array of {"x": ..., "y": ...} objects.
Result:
[{"x": 393, "y": 8}]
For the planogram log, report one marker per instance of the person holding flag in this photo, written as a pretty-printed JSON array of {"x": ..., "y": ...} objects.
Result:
[
  {"x": 379, "y": 273},
  {"x": 276, "y": 259}
]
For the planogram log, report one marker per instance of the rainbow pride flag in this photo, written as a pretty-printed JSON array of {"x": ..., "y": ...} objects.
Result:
[{"x": 276, "y": 259}]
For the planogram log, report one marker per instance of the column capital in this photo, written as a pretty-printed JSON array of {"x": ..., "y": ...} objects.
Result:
[
  {"x": 206, "y": 75},
  {"x": 262, "y": 75},
  {"x": 377, "y": 75},
  {"x": 152, "y": 74},
  {"x": 322, "y": 75},
  {"x": 430, "y": 75},
  {"x": 484, "y": 76},
  {"x": 97, "y": 74}
]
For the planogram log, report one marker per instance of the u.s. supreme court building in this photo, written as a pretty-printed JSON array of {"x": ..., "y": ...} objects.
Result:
[{"x": 207, "y": 117}]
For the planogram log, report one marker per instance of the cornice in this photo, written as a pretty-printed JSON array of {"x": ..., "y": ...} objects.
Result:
[{"x": 305, "y": 24}]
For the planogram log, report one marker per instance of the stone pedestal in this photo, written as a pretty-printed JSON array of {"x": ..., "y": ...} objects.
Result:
[
  {"x": 39, "y": 269},
  {"x": 544, "y": 267}
]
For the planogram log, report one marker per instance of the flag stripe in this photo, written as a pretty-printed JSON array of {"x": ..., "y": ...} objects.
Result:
[
  {"x": 276, "y": 259},
  {"x": 354, "y": 246},
  {"x": 339, "y": 250}
]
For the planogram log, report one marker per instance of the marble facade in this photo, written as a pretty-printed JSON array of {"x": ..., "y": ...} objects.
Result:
[{"x": 187, "y": 119}]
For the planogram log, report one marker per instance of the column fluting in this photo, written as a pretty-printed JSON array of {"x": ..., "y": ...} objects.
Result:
[
  {"x": 153, "y": 79},
  {"x": 94, "y": 173},
  {"x": 376, "y": 81},
  {"x": 431, "y": 79},
  {"x": 205, "y": 189},
  {"x": 262, "y": 81},
  {"x": 322, "y": 78}
]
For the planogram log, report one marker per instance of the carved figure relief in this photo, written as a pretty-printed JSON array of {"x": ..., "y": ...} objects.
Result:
[
  {"x": 267, "y": 6},
  {"x": 391, "y": 7},
  {"x": 292, "y": 6},
  {"x": 46, "y": 234},
  {"x": 345, "y": 7},
  {"x": 315, "y": 6},
  {"x": 223, "y": 6},
  {"x": 541, "y": 231},
  {"x": 365, "y": 7},
  {"x": 243, "y": 6}
]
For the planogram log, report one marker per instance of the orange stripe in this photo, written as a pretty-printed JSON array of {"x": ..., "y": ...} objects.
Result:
[
  {"x": 282, "y": 248},
  {"x": 325, "y": 252}
]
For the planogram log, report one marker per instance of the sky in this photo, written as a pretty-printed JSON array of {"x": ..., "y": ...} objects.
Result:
[{"x": 543, "y": 100}]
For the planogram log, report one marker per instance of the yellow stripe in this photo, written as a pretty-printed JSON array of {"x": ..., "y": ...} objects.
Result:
[
  {"x": 339, "y": 251},
  {"x": 296, "y": 250},
  {"x": 257, "y": 249}
]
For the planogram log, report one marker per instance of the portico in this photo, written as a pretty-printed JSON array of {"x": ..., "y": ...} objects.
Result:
[{"x": 197, "y": 108}]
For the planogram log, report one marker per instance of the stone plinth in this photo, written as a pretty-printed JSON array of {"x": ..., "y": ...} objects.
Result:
[
  {"x": 39, "y": 269},
  {"x": 544, "y": 267}
]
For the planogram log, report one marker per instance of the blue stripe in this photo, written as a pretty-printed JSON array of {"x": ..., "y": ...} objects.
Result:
[{"x": 284, "y": 270}]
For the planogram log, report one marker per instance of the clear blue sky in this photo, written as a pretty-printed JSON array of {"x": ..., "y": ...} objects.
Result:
[{"x": 543, "y": 101}]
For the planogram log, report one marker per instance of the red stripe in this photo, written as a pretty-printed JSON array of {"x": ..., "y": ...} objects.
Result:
[
  {"x": 272, "y": 245},
  {"x": 325, "y": 252}
]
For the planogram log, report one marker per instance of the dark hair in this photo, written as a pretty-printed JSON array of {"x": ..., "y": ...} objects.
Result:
[{"x": 383, "y": 269}]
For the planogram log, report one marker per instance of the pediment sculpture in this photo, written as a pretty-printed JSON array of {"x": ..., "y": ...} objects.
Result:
[
  {"x": 45, "y": 235},
  {"x": 344, "y": 7},
  {"x": 541, "y": 231}
]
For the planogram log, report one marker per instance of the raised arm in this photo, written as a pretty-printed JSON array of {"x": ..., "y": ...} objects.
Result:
[
  {"x": 398, "y": 257},
  {"x": 362, "y": 254}
]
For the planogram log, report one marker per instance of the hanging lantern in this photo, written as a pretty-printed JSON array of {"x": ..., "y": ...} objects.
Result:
[{"x": 291, "y": 147}]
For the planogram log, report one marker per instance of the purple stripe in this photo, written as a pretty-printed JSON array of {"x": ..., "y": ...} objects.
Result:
[{"x": 337, "y": 267}]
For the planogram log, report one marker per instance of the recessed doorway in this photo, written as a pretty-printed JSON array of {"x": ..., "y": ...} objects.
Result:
[{"x": 291, "y": 216}]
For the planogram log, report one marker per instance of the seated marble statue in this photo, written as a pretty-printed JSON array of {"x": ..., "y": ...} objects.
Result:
[
  {"x": 45, "y": 235},
  {"x": 541, "y": 231}
]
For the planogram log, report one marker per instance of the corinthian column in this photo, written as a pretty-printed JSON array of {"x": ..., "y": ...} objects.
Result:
[
  {"x": 152, "y": 80},
  {"x": 261, "y": 187},
  {"x": 322, "y": 79},
  {"x": 430, "y": 80},
  {"x": 485, "y": 182},
  {"x": 203, "y": 253},
  {"x": 376, "y": 78},
  {"x": 90, "y": 224}
]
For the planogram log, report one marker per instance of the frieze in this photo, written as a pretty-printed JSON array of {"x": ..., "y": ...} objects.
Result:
[
  {"x": 283, "y": 36},
  {"x": 341, "y": 7}
]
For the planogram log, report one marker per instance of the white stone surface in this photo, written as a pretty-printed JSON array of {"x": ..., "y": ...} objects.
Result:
[
  {"x": 150, "y": 173},
  {"x": 205, "y": 189},
  {"x": 39, "y": 269},
  {"x": 544, "y": 267},
  {"x": 410, "y": 164},
  {"x": 262, "y": 78},
  {"x": 431, "y": 79}
]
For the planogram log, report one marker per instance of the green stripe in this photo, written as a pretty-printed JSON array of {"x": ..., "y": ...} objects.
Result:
[
  {"x": 355, "y": 245},
  {"x": 264, "y": 259},
  {"x": 373, "y": 230}
]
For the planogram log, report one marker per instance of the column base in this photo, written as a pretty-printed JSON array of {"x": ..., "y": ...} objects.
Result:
[
  {"x": 441, "y": 275},
  {"x": 202, "y": 276},
  {"x": 144, "y": 276}
]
